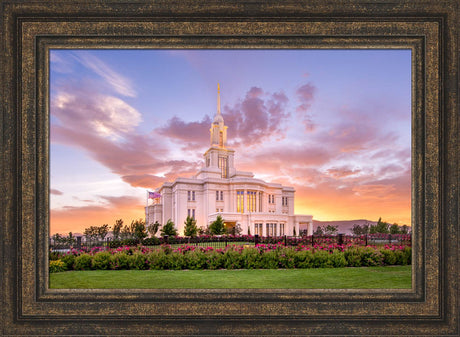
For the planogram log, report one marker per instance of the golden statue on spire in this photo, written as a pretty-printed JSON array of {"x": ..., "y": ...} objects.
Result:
[{"x": 218, "y": 88}]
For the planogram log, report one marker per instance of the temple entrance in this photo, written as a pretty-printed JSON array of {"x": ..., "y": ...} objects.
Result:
[{"x": 230, "y": 227}]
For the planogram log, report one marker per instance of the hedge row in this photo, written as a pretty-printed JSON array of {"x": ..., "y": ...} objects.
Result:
[{"x": 233, "y": 257}]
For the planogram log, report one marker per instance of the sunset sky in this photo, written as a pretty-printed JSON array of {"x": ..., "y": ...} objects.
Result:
[{"x": 334, "y": 124}]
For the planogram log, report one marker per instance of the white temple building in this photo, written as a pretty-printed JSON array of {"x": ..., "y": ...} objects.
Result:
[{"x": 258, "y": 207}]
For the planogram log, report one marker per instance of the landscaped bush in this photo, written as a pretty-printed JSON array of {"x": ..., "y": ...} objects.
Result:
[
  {"x": 101, "y": 261},
  {"x": 69, "y": 260},
  {"x": 137, "y": 261},
  {"x": 119, "y": 261},
  {"x": 83, "y": 262},
  {"x": 57, "y": 266},
  {"x": 263, "y": 256}
]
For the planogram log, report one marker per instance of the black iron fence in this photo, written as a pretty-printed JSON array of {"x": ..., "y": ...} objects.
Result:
[{"x": 225, "y": 240}]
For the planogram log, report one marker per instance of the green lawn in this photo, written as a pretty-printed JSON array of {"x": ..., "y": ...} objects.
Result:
[{"x": 390, "y": 277}]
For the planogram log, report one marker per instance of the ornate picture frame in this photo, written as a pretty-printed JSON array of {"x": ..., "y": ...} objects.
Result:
[{"x": 31, "y": 29}]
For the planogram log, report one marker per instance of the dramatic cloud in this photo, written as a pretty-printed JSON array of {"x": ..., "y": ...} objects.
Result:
[
  {"x": 250, "y": 121},
  {"x": 118, "y": 82},
  {"x": 105, "y": 127},
  {"x": 194, "y": 135},
  {"x": 259, "y": 116}
]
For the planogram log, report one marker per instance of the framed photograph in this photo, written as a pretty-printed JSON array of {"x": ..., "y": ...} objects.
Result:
[{"x": 46, "y": 44}]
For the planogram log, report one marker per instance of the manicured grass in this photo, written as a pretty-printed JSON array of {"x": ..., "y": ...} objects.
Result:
[{"x": 390, "y": 277}]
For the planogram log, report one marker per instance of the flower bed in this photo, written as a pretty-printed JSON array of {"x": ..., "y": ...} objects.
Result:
[{"x": 262, "y": 256}]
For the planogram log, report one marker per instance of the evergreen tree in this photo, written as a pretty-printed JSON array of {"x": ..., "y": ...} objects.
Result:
[
  {"x": 190, "y": 229},
  {"x": 217, "y": 227},
  {"x": 169, "y": 229}
]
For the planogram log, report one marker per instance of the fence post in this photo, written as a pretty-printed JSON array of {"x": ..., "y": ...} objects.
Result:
[
  {"x": 256, "y": 239},
  {"x": 366, "y": 239},
  {"x": 78, "y": 242},
  {"x": 340, "y": 239},
  {"x": 165, "y": 239},
  {"x": 285, "y": 240},
  {"x": 312, "y": 240},
  {"x": 226, "y": 241},
  {"x": 389, "y": 238}
]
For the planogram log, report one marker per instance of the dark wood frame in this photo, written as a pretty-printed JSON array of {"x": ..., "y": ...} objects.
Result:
[{"x": 30, "y": 29}]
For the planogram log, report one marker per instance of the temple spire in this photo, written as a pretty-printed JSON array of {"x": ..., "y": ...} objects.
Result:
[{"x": 218, "y": 99}]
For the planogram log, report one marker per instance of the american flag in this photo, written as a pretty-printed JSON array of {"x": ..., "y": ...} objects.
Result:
[{"x": 154, "y": 195}]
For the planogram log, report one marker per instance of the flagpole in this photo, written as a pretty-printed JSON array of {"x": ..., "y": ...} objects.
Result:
[{"x": 147, "y": 209}]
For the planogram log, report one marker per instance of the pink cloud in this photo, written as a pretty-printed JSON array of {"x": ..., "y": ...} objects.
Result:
[
  {"x": 252, "y": 120},
  {"x": 305, "y": 95},
  {"x": 193, "y": 133},
  {"x": 55, "y": 192}
]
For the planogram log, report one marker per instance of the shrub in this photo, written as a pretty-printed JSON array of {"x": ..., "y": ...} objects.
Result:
[
  {"x": 57, "y": 266},
  {"x": 251, "y": 258},
  {"x": 101, "y": 261},
  {"x": 157, "y": 260},
  {"x": 137, "y": 261},
  {"x": 232, "y": 259},
  {"x": 403, "y": 257},
  {"x": 53, "y": 256},
  {"x": 353, "y": 257},
  {"x": 338, "y": 259},
  {"x": 119, "y": 261},
  {"x": 153, "y": 241},
  {"x": 286, "y": 258},
  {"x": 321, "y": 259},
  {"x": 195, "y": 259},
  {"x": 370, "y": 257},
  {"x": 304, "y": 259},
  {"x": 215, "y": 260},
  {"x": 269, "y": 260},
  {"x": 83, "y": 262},
  {"x": 389, "y": 256},
  {"x": 176, "y": 261},
  {"x": 69, "y": 260}
]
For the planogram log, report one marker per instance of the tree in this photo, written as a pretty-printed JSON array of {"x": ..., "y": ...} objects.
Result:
[
  {"x": 71, "y": 239},
  {"x": 405, "y": 229},
  {"x": 217, "y": 227},
  {"x": 331, "y": 230},
  {"x": 117, "y": 228},
  {"x": 380, "y": 227},
  {"x": 169, "y": 229},
  {"x": 319, "y": 231},
  {"x": 91, "y": 233},
  {"x": 394, "y": 229},
  {"x": 102, "y": 231},
  {"x": 139, "y": 230},
  {"x": 360, "y": 230},
  {"x": 153, "y": 228},
  {"x": 190, "y": 229}
]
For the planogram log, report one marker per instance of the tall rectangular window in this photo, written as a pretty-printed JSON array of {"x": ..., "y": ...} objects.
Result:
[
  {"x": 193, "y": 195},
  {"x": 281, "y": 229},
  {"x": 193, "y": 213},
  {"x": 251, "y": 201},
  {"x": 240, "y": 201},
  {"x": 221, "y": 195},
  {"x": 223, "y": 165},
  {"x": 188, "y": 195},
  {"x": 217, "y": 195},
  {"x": 188, "y": 212},
  {"x": 260, "y": 202}
]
